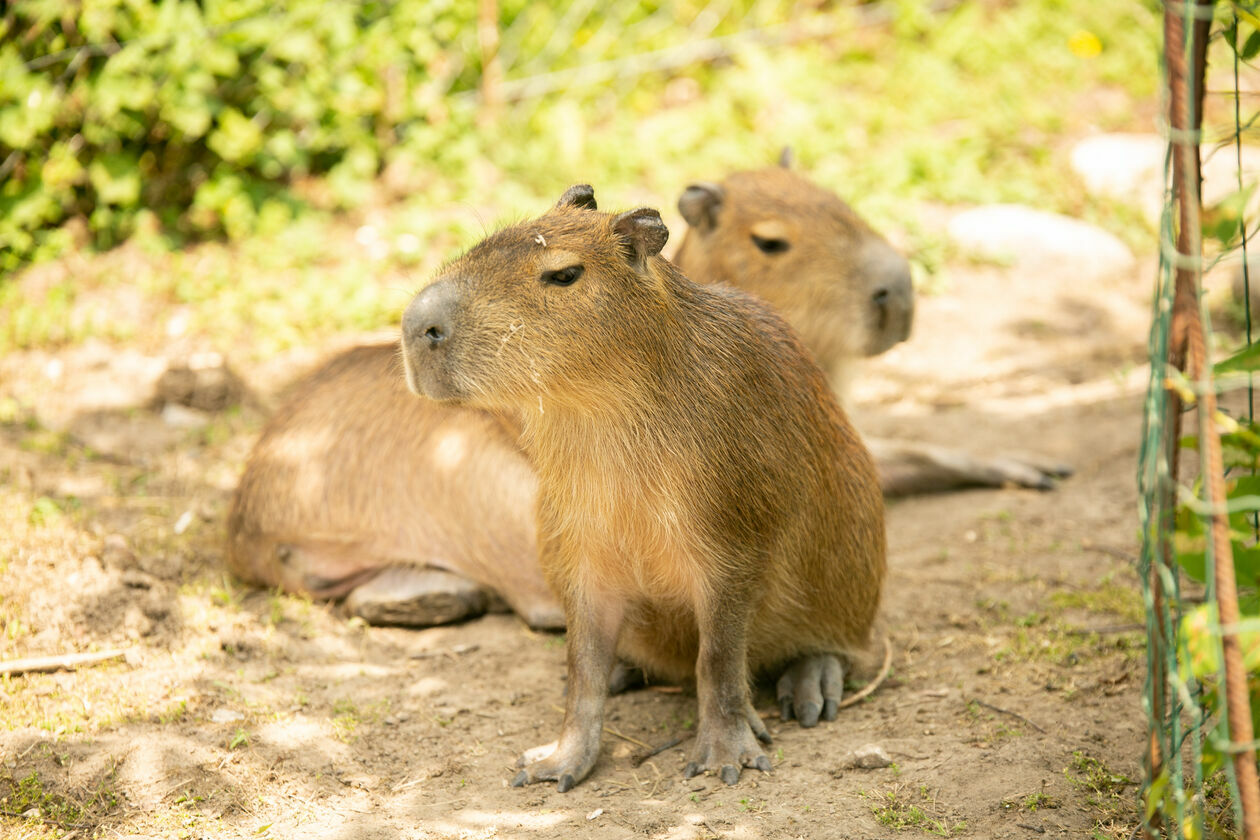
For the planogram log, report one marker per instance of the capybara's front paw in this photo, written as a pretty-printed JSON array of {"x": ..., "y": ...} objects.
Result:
[
  {"x": 728, "y": 747},
  {"x": 565, "y": 767},
  {"x": 811, "y": 687}
]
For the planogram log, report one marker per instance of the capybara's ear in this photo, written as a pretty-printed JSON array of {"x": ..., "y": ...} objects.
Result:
[
  {"x": 642, "y": 231},
  {"x": 786, "y": 158},
  {"x": 700, "y": 204},
  {"x": 578, "y": 195}
]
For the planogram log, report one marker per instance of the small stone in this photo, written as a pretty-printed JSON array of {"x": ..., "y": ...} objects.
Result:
[
  {"x": 203, "y": 381},
  {"x": 181, "y": 417},
  {"x": 593, "y": 814},
  {"x": 869, "y": 757},
  {"x": 226, "y": 716},
  {"x": 115, "y": 551},
  {"x": 181, "y": 524}
]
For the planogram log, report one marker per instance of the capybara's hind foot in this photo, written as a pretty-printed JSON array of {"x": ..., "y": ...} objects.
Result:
[
  {"x": 415, "y": 597},
  {"x": 810, "y": 688}
]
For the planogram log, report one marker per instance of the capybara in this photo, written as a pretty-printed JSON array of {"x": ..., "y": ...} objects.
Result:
[
  {"x": 845, "y": 290},
  {"x": 704, "y": 506},
  {"x": 357, "y": 489}
]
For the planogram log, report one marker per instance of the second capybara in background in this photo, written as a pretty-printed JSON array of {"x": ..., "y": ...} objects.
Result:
[{"x": 705, "y": 509}]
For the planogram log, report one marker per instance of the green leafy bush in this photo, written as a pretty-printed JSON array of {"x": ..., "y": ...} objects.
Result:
[{"x": 206, "y": 114}]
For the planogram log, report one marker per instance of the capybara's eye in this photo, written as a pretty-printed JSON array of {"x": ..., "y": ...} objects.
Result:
[
  {"x": 563, "y": 276},
  {"x": 770, "y": 246}
]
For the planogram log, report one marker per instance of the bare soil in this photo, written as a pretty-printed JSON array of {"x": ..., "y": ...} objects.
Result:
[{"x": 1013, "y": 709}]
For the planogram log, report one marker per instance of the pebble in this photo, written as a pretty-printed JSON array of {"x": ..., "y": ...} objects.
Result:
[{"x": 868, "y": 757}]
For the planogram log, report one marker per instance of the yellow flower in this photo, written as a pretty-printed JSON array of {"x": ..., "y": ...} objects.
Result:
[{"x": 1085, "y": 44}]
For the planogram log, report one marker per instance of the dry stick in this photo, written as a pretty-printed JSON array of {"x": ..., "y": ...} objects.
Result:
[
  {"x": 1000, "y": 710},
  {"x": 634, "y": 741},
  {"x": 1237, "y": 702},
  {"x": 1189, "y": 338},
  {"x": 655, "y": 751},
  {"x": 612, "y": 731},
  {"x": 873, "y": 684},
  {"x": 67, "y": 661}
]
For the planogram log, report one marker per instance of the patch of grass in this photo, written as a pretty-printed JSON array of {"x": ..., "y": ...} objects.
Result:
[
  {"x": 1124, "y": 602},
  {"x": 903, "y": 809},
  {"x": 347, "y": 717},
  {"x": 1033, "y": 802},
  {"x": 1037, "y": 801},
  {"x": 240, "y": 738},
  {"x": 1103, "y": 790},
  {"x": 28, "y": 797},
  {"x": 177, "y": 712}
]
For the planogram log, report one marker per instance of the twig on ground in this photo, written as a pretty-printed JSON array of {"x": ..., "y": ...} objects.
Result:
[
  {"x": 641, "y": 757},
  {"x": 66, "y": 661},
  {"x": 873, "y": 684},
  {"x": 450, "y": 652},
  {"x": 1000, "y": 710},
  {"x": 634, "y": 741}
]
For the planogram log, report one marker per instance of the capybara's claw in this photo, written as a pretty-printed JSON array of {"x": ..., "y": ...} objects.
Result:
[
  {"x": 830, "y": 709},
  {"x": 543, "y": 764},
  {"x": 727, "y": 750}
]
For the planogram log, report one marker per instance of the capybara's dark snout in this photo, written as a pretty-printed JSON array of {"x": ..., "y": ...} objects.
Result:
[
  {"x": 428, "y": 326},
  {"x": 427, "y": 323}
]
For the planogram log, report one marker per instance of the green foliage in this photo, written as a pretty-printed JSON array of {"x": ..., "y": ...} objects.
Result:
[
  {"x": 207, "y": 113},
  {"x": 233, "y": 117}
]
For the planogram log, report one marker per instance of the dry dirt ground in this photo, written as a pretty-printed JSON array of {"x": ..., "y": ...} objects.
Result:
[{"x": 1013, "y": 708}]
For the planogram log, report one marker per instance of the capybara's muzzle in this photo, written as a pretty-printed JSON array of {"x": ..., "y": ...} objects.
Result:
[{"x": 428, "y": 325}]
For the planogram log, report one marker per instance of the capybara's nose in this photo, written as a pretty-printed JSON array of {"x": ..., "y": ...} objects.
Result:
[
  {"x": 892, "y": 296},
  {"x": 427, "y": 323},
  {"x": 892, "y": 288}
]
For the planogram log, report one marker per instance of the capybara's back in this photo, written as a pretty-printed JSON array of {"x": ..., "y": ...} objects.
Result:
[{"x": 353, "y": 475}]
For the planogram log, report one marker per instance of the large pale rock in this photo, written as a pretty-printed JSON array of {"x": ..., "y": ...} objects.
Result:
[
  {"x": 1028, "y": 238},
  {"x": 1130, "y": 168}
]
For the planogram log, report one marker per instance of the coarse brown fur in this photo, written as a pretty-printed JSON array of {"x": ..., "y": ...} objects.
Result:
[
  {"x": 843, "y": 288},
  {"x": 354, "y": 475},
  {"x": 704, "y": 506}
]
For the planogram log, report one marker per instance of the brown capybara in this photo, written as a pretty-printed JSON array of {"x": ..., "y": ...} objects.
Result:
[
  {"x": 704, "y": 506},
  {"x": 357, "y": 489},
  {"x": 333, "y": 503},
  {"x": 846, "y": 292}
]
